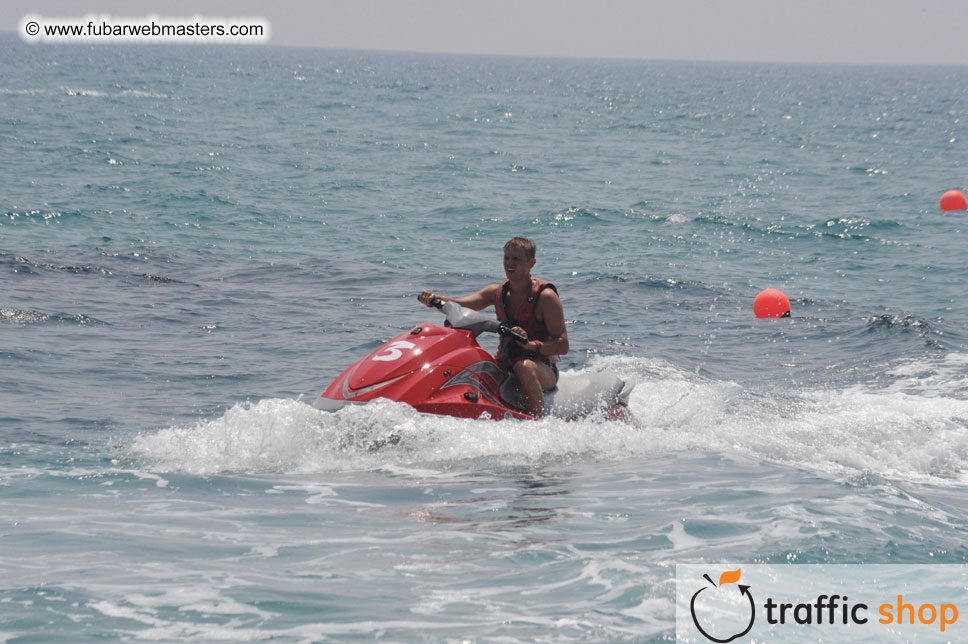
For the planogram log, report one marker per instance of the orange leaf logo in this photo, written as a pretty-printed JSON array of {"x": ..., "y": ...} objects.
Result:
[{"x": 729, "y": 577}]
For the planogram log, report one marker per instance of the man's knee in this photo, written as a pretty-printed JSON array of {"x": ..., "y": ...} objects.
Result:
[{"x": 525, "y": 368}]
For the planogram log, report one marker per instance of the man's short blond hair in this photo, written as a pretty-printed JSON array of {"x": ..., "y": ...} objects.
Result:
[{"x": 524, "y": 244}]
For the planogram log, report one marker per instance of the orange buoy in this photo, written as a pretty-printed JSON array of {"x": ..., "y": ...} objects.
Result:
[
  {"x": 771, "y": 303},
  {"x": 954, "y": 200}
]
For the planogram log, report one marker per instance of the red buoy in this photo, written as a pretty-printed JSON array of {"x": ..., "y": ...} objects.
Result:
[
  {"x": 953, "y": 200},
  {"x": 771, "y": 303}
]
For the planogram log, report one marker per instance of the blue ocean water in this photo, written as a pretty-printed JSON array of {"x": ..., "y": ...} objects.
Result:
[{"x": 194, "y": 241}]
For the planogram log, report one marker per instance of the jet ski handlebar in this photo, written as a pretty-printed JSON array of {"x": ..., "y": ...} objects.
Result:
[
  {"x": 494, "y": 326},
  {"x": 504, "y": 330}
]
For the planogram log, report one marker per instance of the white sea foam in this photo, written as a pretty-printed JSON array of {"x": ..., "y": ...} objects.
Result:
[
  {"x": 137, "y": 93},
  {"x": 6, "y": 91},
  {"x": 944, "y": 376},
  {"x": 83, "y": 92},
  {"x": 845, "y": 432}
]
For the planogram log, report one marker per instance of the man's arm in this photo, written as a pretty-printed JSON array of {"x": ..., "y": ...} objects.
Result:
[
  {"x": 477, "y": 301},
  {"x": 551, "y": 312}
]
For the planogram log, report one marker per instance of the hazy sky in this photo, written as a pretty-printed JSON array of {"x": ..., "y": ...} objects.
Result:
[{"x": 859, "y": 31}]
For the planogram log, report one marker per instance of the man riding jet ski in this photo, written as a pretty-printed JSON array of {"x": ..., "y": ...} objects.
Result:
[
  {"x": 443, "y": 370},
  {"x": 532, "y": 308}
]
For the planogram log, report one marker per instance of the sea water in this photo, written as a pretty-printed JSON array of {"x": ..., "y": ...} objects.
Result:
[{"x": 194, "y": 241}]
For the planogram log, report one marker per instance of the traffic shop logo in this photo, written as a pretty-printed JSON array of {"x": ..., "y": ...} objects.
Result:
[{"x": 896, "y": 603}]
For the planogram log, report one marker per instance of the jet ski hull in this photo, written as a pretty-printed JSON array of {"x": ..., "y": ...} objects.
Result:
[{"x": 443, "y": 370}]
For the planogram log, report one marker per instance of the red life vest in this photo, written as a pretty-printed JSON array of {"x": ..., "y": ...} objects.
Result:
[{"x": 509, "y": 351}]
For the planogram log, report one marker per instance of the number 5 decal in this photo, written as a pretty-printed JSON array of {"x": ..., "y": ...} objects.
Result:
[{"x": 394, "y": 351}]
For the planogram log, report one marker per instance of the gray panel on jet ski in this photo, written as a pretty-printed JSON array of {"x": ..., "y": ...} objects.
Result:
[
  {"x": 575, "y": 395},
  {"x": 330, "y": 404}
]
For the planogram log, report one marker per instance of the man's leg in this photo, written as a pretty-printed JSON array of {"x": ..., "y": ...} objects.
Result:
[{"x": 535, "y": 379}]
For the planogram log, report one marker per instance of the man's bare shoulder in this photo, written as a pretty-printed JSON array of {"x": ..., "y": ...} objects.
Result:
[
  {"x": 548, "y": 303},
  {"x": 549, "y": 295}
]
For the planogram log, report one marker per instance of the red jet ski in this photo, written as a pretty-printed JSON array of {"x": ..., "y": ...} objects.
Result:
[{"x": 443, "y": 370}]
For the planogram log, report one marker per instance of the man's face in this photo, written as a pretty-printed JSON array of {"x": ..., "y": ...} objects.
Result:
[{"x": 516, "y": 263}]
